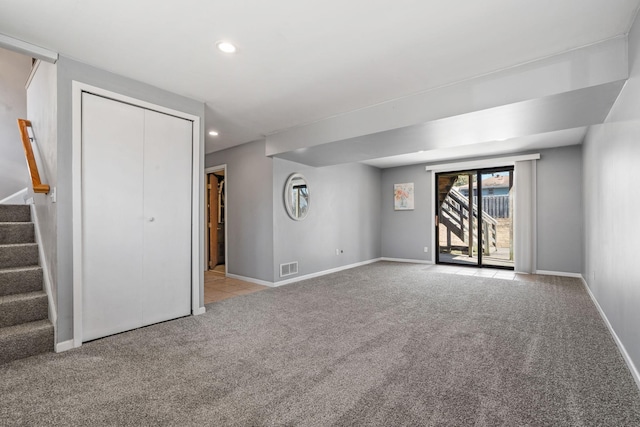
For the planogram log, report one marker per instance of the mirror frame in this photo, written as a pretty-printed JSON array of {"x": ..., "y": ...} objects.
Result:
[{"x": 287, "y": 201}]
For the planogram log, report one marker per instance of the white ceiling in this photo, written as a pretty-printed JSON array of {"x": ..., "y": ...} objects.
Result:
[
  {"x": 539, "y": 141},
  {"x": 303, "y": 61}
]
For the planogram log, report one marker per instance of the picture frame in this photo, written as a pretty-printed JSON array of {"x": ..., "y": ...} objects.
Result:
[{"x": 403, "y": 196}]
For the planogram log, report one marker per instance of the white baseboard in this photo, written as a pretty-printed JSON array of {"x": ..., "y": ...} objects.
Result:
[
  {"x": 325, "y": 272},
  {"x": 46, "y": 274},
  {"x": 199, "y": 311},
  {"x": 16, "y": 198},
  {"x": 305, "y": 277},
  {"x": 250, "y": 280},
  {"x": 411, "y": 261},
  {"x": 559, "y": 273},
  {"x": 64, "y": 346},
  {"x": 632, "y": 367}
]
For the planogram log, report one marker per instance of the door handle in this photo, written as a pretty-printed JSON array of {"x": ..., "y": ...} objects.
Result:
[{"x": 151, "y": 219}]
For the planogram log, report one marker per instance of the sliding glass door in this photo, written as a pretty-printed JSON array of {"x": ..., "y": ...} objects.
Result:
[
  {"x": 456, "y": 227},
  {"x": 497, "y": 216},
  {"x": 474, "y": 218}
]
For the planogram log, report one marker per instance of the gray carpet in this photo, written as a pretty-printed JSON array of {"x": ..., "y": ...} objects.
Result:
[{"x": 385, "y": 344}]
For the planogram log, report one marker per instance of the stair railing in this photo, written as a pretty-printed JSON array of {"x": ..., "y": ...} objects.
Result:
[
  {"x": 456, "y": 207},
  {"x": 27, "y": 139}
]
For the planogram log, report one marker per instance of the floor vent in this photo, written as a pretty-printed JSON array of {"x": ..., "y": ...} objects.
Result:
[{"x": 288, "y": 269}]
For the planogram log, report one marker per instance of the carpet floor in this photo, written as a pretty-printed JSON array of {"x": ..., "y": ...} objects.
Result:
[{"x": 385, "y": 344}]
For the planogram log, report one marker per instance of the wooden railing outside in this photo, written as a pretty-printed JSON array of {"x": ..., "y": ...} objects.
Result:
[
  {"x": 38, "y": 186},
  {"x": 455, "y": 216}
]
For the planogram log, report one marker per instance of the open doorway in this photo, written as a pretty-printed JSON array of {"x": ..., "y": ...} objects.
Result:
[
  {"x": 216, "y": 220},
  {"x": 218, "y": 286},
  {"x": 474, "y": 224}
]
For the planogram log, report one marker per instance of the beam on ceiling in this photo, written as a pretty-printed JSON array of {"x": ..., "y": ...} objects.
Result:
[{"x": 28, "y": 49}]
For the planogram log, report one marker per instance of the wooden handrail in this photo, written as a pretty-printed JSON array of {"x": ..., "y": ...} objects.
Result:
[
  {"x": 38, "y": 186},
  {"x": 455, "y": 209}
]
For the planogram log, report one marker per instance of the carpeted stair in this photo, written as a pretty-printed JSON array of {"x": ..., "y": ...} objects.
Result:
[{"x": 25, "y": 329}]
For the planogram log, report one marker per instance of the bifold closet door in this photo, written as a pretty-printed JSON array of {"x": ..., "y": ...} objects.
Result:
[
  {"x": 112, "y": 232},
  {"x": 136, "y": 210},
  {"x": 167, "y": 209}
]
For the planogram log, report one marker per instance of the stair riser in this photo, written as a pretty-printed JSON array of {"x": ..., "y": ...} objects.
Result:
[
  {"x": 20, "y": 281},
  {"x": 26, "y": 344},
  {"x": 23, "y": 311},
  {"x": 11, "y": 233},
  {"x": 18, "y": 256},
  {"x": 15, "y": 213}
]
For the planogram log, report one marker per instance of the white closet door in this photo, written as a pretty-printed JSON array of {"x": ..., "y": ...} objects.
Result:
[
  {"x": 167, "y": 227},
  {"x": 112, "y": 202},
  {"x": 136, "y": 210}
]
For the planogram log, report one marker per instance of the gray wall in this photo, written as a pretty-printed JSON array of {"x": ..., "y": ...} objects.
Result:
[
  {"x": 249, "y": 200},
  {"x": 559, "y": 209},
  {"x": 14, "y": 71},
  {"x": 406, "y": 233},
  {"x": 344, "y": 214},
  {"x": 610, "y": 163},
  {"x": 69, "y": 70},
  {"x": 42, "y": 99},
  {"x": 559, "y": 201}
]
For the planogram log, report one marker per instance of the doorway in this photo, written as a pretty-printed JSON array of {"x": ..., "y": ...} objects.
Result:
[
  {"x": 474, "y": 218},
  {"x": 216, "y": 220}
]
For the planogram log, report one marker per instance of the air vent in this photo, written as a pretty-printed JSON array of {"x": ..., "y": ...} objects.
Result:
[{"x": 289, "y": 269}]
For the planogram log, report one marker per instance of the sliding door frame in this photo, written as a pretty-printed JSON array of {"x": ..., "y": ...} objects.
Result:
[
  {"x": 432, "y": 170},
  {"x": 477, "y": 172}
]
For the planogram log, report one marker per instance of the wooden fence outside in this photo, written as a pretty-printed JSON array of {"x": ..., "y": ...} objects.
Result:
[{"x": 496, "y": 206}]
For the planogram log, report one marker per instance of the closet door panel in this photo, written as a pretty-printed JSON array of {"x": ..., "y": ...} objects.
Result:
[
  {"x": 167, "y": 211},
  {"x": 112, "y": 235}
]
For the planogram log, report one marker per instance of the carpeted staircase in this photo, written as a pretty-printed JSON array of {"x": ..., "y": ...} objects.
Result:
[{"x": 25, "y": 329}]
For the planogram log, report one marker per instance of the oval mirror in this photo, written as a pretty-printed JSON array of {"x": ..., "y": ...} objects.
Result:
[{"x": 296, "y": 196}]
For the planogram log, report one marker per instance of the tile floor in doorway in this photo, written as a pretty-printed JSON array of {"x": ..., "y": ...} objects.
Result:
[
  {"x": 482, "y": 272},
  {"x": 218, "y": 287}
]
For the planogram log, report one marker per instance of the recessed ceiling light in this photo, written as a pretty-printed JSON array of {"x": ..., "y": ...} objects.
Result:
[
  {"x": 213, "y": 133},
  {"x": 226, "y": 47}
]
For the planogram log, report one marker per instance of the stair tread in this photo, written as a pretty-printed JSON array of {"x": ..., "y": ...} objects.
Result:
[
  {"x": 16, "y": 222},
  {"x": 18, "y": 269},
  {"x": 18, "y": 244},
  {"x": 15, "y": 213},
  {"x": 25, "y": 296},
  {"x": 24, "y": 327}
]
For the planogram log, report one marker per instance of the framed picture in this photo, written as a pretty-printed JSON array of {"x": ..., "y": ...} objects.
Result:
[{"x": 403, "y": 196}]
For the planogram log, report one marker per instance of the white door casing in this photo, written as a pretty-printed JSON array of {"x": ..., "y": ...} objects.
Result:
[{"x": 136, "y": 218}]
